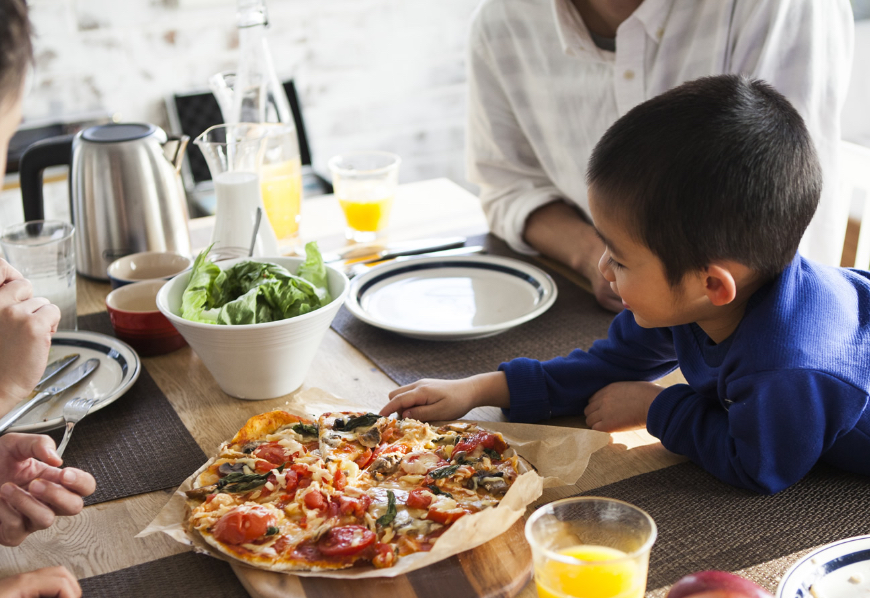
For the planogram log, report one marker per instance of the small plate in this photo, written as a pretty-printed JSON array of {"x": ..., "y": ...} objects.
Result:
[
  {"x": 838, "y": 570},
  {"x": 119, "y": 369},
  {"x": 451, "y": 298}
]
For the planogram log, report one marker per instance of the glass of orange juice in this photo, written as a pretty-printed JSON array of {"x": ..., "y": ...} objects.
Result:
[
  {"x": 590, "y": 547},
  {"x": 365, "y": 185},
  {"x": 281, "y": 184}
]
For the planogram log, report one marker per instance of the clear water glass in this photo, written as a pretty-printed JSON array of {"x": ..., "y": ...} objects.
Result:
[{"x": 43, "y": 251}]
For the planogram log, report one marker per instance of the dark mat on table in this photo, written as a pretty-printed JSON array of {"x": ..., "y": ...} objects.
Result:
[
  {"x": 706, "y": 524},
  {"x": 137, "y": 444},
  {"x": 182, "y": 575},
  {"x": 574, "y": 321}
]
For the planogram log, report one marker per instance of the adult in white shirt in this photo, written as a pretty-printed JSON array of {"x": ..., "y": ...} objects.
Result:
[{"x": 548, "y": 77}]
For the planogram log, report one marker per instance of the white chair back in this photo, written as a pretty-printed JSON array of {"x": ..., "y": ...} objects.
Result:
[{"x": 855, "y": 187}]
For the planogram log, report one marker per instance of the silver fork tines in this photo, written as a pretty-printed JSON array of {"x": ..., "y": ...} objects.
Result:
[{"x": 73, "y": 412}]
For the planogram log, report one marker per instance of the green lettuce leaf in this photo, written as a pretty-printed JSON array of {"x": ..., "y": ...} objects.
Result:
[
  {"x": 253, "y": 292},
  {"x": 197, "y": 298}
]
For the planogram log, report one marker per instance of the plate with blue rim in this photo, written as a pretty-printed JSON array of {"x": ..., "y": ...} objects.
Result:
[
  {"x": 118, "y": 370},
  {"x": 451, "y": 298},
  {"x": 837, "y": 570}
]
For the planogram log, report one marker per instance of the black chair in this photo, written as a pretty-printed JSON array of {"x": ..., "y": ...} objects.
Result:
[{"x": 192, "y": 113}]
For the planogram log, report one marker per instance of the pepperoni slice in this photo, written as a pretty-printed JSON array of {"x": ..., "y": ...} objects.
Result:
[{"x": 346, "y": 540}]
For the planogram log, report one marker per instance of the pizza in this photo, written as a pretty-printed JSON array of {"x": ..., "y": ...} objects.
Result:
[{"x": 347, "y": 489}]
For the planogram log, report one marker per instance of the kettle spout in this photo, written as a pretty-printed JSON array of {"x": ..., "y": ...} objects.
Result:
[{"x": 177, "y": 157}]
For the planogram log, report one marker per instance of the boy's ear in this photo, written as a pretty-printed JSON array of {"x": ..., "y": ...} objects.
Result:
[{"x": 719, "y": 284}]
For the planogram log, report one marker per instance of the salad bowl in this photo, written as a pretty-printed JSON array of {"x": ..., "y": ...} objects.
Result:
[{"x": 256, "y": 361}]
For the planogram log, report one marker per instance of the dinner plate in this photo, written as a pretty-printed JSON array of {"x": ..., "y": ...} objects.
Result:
[
  {"x": 119, "y": 368},
  {"x": 451, "y": 298},
  {"x": 837, "y": 570}
]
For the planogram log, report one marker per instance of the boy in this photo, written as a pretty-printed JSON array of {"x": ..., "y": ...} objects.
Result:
[
  {"x": 33, "y": 489},
  {"x": 701, "y": 196}
]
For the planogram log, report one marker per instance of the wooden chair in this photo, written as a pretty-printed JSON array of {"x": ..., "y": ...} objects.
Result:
[{"x": 855, "y": 187}]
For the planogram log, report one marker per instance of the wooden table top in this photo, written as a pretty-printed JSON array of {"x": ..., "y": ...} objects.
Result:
[{"x": 100, "y": 539}]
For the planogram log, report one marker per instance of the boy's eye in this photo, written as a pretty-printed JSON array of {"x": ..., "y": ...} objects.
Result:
[{"x": 614, "y": 264}]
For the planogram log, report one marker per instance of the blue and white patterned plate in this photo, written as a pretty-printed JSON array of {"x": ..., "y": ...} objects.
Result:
[
  {"x": 451, "y": 298},
  {"x": 119, "y": 368},
  {"x": 837, "y": 570}
]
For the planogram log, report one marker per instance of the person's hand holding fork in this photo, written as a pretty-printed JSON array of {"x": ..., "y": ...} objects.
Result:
[{"x": 33, "y": 488}]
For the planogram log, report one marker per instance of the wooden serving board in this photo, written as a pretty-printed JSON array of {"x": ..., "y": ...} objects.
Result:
[{"x": 498, "y": 569}]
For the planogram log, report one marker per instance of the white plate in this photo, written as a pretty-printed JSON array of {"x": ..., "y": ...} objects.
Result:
[
  {"x": 119, "y": 369},
  {"x": 838, "y": 570},
  {"x": 451, "y": 298}
]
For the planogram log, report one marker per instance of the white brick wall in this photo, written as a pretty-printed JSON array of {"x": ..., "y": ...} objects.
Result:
[{"x": 385, "y": 74}]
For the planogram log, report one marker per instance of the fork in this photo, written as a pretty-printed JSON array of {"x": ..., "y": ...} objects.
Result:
[{"x": 73, "y": 412}]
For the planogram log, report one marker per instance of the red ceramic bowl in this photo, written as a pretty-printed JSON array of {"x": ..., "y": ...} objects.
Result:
[{"x": 137, "y": 321}]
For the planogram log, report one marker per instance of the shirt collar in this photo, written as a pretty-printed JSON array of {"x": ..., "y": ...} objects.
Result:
[{"x": 574, "y": 36}]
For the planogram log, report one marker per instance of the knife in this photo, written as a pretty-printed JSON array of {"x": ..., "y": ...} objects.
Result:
[
  {"x": 353, "y": 270},
  {"x": 55, "y": 367},
  {"x": 395, "y": 249},
  {"x": 64, "y": 382}
]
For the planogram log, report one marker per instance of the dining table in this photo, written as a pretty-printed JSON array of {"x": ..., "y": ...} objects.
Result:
[{"x": 101, "y": 539}]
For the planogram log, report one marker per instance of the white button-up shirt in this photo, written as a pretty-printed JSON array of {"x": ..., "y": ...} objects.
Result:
[{"x": 541, "y": 93}]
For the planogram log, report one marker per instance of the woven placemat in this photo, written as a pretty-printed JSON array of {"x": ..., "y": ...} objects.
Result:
[
  {"x": 574, "y": 321},
  {"x": 184, "y": 575},
  {"x": 137, "y": 444},
  {"x": 706, "y": 524}
]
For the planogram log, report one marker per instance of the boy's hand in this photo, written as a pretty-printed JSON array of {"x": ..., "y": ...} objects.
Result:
[
  {"x": 27, "y": 323},
  {"x": 429, "y": 400},
  {"x": 621, "y": 406},
  {"x": 33, "y": 490},
  {"x": 52, "y": 581}
]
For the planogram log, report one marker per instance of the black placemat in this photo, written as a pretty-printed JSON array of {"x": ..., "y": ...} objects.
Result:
[
  {"x": 137, "y": 444},
  {"x": 706, "y": 524},
  {"x": 185, "y": 575},
  {"x": 574, "y": 321}
]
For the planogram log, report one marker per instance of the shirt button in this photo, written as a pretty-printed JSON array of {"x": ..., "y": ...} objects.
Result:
[
  {"x": 660, "y": 33},
  {"x": 629, "y": 75}
]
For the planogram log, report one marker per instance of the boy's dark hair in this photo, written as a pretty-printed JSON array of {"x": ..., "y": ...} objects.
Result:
[
  {"x": 16, "y": 50},
  {"x": 717, "y": 168}
]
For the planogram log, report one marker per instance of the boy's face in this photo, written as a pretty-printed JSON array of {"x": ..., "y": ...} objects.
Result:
[
  {"x": 638, "y": 276},
  {"x": 10, "y": 118}
]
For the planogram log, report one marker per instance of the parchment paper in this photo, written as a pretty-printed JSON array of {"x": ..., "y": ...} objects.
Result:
[{"x": 559, "y": 456}]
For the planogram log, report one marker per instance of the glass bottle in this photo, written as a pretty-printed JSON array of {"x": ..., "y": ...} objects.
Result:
[{"x": 253, "y": 93}]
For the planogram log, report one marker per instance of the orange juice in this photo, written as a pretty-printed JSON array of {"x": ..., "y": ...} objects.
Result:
[
  {"x": 622, "y": 578},
  {"x": 367, "y": 215},
  {"x": 281, "y": 186}
]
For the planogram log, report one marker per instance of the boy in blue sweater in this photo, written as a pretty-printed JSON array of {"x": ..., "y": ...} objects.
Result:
[{"x": 701, "y": 196}]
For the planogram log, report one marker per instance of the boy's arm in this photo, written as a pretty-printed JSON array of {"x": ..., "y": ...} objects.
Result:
[
  {"x": 777, "y": 426},
  {"x": 563, "y": 386}
]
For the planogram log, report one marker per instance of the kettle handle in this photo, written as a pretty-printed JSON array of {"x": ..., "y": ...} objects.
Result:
[
  {"x": 36, "y": 158},
  {"x": 181, "y": 145}
]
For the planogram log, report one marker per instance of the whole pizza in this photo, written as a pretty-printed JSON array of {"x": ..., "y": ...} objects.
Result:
[{"x": 290, "y": 493}]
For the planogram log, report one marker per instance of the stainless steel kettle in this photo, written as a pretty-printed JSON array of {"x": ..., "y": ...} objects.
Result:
[{"x": 126, "y": 194}]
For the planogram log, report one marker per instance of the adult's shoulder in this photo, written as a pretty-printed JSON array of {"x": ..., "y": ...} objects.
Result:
[
  {"x": 755, "y": 13},
  {"x": 495, "y": 16}
]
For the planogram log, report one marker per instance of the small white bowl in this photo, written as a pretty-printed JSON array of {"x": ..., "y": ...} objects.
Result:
[
  {"x": 256, "y": 361},
  {"x": 146, "y": 265}
]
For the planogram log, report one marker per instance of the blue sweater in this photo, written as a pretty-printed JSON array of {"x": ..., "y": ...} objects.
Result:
[{"x": 788, "y": 388}]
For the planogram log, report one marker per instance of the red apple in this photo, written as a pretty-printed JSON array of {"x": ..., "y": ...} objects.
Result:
[{"x": 716, "y": 584}]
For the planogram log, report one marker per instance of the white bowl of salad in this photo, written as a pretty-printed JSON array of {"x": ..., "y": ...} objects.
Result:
[{"x": 256, "y": 323}]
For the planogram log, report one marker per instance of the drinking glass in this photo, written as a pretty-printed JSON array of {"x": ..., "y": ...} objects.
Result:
[
  {"x": 281, "y": 183},
  {"x": 590, "y": 547},
  {"x": 43, "y": 251},
  {"x": 365, "y": 185}
]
